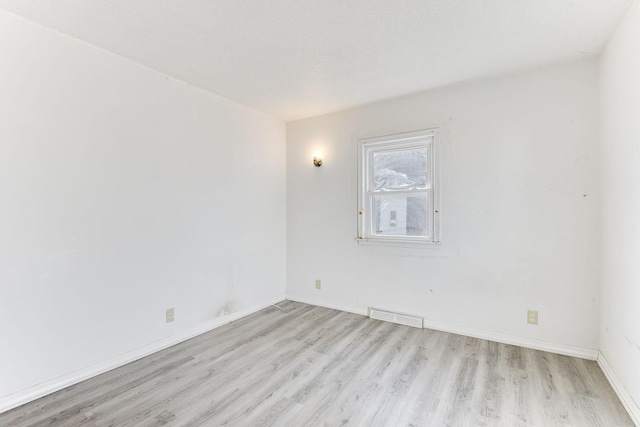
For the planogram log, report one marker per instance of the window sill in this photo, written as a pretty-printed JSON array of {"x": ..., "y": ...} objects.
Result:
[{"x": 399, "y": 243}]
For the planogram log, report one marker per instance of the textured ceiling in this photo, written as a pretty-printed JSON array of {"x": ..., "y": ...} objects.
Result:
[{"x": 299, "y": 58}]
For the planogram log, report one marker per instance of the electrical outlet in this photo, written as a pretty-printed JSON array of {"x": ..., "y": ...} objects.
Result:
[
  {"x": 169, "y": 314},
  {"x": 318, "y": 284},
  {"x": 532, "y": 317}
]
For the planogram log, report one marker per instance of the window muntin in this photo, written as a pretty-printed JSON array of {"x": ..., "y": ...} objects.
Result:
[{"x": 397, "y": 194}]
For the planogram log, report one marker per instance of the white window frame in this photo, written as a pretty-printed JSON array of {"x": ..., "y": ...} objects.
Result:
[{"x": 428, "y": 138}]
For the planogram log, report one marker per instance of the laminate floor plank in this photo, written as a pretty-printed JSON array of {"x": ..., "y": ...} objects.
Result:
[{"x": 294, "y": 364}]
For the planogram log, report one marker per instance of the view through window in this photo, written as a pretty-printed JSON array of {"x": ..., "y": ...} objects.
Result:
[{"x": 397, "y": 188}]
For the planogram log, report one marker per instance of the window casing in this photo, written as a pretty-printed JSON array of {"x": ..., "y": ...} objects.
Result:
[{"x": 397, "y": 189}]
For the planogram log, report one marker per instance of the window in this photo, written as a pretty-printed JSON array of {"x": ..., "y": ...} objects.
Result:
[{"x": 398, "y": 188}]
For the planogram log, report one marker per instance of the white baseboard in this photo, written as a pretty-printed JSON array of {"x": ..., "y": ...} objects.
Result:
[
  {"x": 567, "y": 350},
  {"x": 627, "y": 401},
  {"x": 20, "y": 398},
  {"x": 341, "y": 307}
]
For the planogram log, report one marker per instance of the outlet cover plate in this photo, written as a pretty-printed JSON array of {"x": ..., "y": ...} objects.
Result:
[
  {"x": 532, "y": 317},
  {"x": 169, "y": 315}
]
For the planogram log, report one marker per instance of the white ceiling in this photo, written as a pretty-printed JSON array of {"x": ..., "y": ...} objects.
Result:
[{"x": 299, "y": 58}]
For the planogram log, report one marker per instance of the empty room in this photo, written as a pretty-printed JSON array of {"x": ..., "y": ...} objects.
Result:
[{"x": 296, "y": 213}]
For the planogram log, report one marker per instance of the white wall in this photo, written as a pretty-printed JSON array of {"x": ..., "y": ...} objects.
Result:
[
  {"x": 520, "y": 217},
  {"x": 124, "y": 192},
  {"x": 620, "y": 134}
]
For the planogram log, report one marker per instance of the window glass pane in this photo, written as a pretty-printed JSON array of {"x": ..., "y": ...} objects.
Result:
[
  {"x": 400, "y": 169},
  {"x": 400, "y": 215}
]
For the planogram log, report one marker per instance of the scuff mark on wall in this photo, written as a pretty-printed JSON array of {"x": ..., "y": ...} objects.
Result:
[
  {"x": 228, "y": 308},
  {"x": 637, "y": 346}
]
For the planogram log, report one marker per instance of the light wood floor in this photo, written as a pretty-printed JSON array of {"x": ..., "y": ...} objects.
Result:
[{"x": 306, "y": 366}]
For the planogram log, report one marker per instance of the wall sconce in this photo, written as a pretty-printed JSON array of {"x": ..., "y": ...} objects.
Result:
[{"x": 317, "y": 160}]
